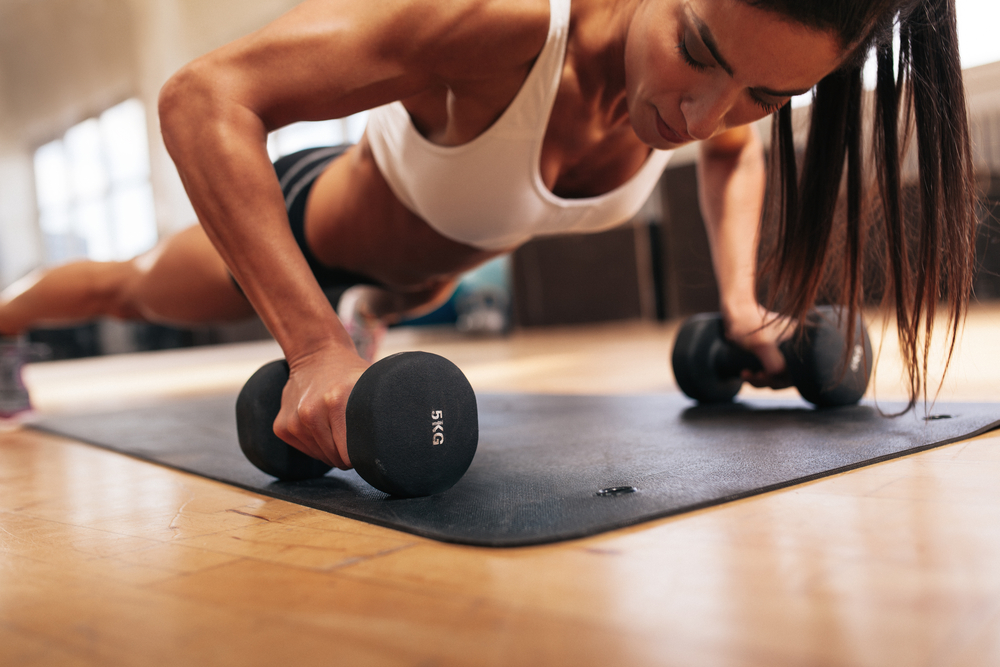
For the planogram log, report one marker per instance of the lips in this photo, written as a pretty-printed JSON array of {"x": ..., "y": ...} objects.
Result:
[{"x": 669, "y": 133}]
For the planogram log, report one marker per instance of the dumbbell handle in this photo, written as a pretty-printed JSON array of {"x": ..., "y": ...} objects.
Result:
[{"x": 729, "y": 360}]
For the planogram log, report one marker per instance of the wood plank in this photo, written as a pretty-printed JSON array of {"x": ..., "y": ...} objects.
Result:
[{"x": 108, "y": 560}]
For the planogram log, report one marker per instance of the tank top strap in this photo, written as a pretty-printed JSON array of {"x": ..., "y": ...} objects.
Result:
[
  {"x": 536, "y": 97},
  {"x": 488, "y": 192}
]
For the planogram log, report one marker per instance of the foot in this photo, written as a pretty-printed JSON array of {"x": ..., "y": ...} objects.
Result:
[
  {"x": 366, "y": 330},
  {"x": 14, "y": 399}
]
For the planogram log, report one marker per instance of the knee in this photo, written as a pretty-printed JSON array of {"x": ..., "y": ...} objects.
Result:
[
  {"x": 143, "y": 296},
  {"x": 118, "y": 289}
]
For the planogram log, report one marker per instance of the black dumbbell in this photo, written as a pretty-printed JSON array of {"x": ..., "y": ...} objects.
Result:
[
  {"x": 708, "y": 367},
  {"x": 412, "y": 425}
]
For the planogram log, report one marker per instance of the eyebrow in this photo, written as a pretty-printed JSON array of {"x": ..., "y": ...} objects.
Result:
[{"x": 713, "y": 48}]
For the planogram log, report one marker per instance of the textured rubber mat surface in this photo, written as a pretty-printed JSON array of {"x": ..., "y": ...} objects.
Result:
[{"x": 552, "y": 468}]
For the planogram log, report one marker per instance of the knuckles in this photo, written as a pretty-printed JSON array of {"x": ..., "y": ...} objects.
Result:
[{"x": 312, "y": 423}]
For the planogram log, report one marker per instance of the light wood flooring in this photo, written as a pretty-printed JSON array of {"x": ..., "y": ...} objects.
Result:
[{"x": 106, "y": 560}]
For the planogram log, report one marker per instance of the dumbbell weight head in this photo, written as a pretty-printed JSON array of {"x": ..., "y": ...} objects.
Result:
[
  {"x": 257, "y": 406},
  {"x": 412, "y": 425},
  {"x": 816, "y": 360},
  {"x": 706, "y": 365}
]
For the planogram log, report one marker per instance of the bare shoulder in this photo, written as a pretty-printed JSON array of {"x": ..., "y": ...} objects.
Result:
[
  {"x": 452, "y": 37},
  {"x": 332, "y": 58},
  {"x": 477, "y": 39}
]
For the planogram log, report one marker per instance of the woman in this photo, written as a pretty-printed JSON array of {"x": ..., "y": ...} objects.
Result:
[{"x": 496, "y": 121}]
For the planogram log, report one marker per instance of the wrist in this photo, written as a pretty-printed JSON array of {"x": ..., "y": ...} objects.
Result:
[
  {"x": 317, "y": 336},
  {"x": 334, "y": 345},
  {"x": 739, "y": 307}
]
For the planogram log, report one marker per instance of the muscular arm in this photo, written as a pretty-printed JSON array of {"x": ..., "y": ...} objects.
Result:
[
  {"x": 324, "y": 59},
  {"x": 215, "y": 114},
  {"x": 731, "y": 178}
]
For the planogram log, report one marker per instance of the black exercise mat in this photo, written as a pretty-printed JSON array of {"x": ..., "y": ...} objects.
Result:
[{"x": 559, "y": 467}]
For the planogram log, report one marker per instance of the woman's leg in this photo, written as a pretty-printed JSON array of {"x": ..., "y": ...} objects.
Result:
[
  {"x": 182, "y": 281},
  {"x": 63, "y": 295}
]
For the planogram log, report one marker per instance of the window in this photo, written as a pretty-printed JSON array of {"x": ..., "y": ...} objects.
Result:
[
  {"x": 298, "y": 136},
  {"x": 93, "y": 191},
  {"x": 92, "y": 185}
]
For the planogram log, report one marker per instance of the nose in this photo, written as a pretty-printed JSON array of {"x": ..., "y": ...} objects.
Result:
[{"x": 704, "y": 110}]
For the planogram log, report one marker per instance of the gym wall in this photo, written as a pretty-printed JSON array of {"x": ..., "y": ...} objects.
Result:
[{"x": 63, "y": 61}]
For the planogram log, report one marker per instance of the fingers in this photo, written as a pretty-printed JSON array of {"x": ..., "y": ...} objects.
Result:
[
  {"x": 762, "y": 379},
  {"x": 311, "y": 428},
  {"x": 314, "y": 405},
  {"x": 761, "y": 331},
  {"x": 775, "y": 369},
  {"x": 770, "y": 356}
]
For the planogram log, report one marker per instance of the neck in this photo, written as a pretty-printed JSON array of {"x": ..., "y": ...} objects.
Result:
[{"x": 596, "y": 51}]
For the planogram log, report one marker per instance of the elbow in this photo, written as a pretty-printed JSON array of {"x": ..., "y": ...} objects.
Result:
[
  {"x": 173, "y": 107},
  {"x": 203, "y": 107},
  {"x": 182, "y": 106}
]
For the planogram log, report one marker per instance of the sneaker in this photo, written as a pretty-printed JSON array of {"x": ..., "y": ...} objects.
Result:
[
  {"x": 483, "y": 310},
  {"x": 366, "y": 331},
  {"x": 14, "y": 399}
]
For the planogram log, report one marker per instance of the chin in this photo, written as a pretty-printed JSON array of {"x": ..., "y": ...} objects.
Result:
[{"x": 644, "y": 126}]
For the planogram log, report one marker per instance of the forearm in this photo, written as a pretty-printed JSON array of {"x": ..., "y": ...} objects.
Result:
[
  {"x": 220, "y": 151},
  {"x": 731, "y": 187},
  {"x": 731, "y": 177}
]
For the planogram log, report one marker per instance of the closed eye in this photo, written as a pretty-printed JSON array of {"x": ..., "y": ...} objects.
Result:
[
  {"x": 767, "y": 107},
  {"x": 688, "y": 58}
]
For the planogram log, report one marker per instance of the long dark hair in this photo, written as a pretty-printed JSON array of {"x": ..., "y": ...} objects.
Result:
[{"x": 833, "y": 243}]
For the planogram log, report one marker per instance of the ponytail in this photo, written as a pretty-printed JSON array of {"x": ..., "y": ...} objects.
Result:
[{"x": 825, "y": 229}]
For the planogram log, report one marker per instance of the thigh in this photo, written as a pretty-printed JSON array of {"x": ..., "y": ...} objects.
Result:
[{"x": 184, "y": 281}]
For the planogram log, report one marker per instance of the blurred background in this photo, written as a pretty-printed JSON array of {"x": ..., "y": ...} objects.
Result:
[{"x": 84, "y": 173}]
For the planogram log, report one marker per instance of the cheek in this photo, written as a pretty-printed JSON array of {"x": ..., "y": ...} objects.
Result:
[{"x": 653, "y": 68}]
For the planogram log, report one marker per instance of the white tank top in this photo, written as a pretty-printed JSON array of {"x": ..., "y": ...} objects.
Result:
[{"x": 488, "y": 193}]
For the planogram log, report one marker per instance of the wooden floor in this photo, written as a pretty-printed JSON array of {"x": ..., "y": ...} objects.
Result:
[{"x": 106, "y": 560}]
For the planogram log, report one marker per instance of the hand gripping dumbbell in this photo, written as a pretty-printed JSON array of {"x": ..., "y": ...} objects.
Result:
[
  {"x": 708, "y": 367},
  {"x": 412, "y": 425}
]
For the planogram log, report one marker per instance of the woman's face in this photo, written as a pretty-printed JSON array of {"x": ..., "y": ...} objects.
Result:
[{"x": 695, "y": 68}]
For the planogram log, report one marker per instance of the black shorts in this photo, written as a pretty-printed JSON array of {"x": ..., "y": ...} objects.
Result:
[{"x": 297, "y": 173}]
